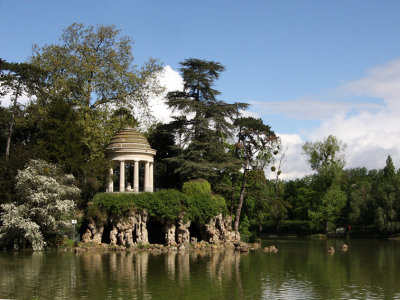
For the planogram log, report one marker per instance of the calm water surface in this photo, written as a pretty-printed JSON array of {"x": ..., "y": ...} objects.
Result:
[{"x": 301, "y": 270}]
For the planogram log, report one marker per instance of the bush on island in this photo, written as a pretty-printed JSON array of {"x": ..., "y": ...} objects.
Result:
[{"x": 196, "y": 202}]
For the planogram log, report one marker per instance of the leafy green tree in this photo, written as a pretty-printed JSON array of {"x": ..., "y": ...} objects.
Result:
[
  {"x": 329, "y": 208},
  {"x": 301, "y": 196},
  {"x": 44, "y": 209},
  {"x": 93, "y": 68},
  {"x": 261, "y": 202},
  {"x": 386, "y": 194},
  {"x": 203, "y": 121},
  {"x": 357, "y": 183},
  {"x": 327, "y": 159},
  {"x": 361, "y": 204},
  {"x": 93, "y": 90},
  {"x": 256, "y": 143},
  {"x": 162, "y": 139},
  {"x": 16, "y": 80}
]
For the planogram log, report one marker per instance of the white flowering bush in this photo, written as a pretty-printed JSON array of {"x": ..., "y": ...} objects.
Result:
[{"x": 45, "y": 207}]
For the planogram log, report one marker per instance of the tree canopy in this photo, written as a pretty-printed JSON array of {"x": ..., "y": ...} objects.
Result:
[
  {"x": 94, "y": 67},
  {"x": 203, "y": 122}
]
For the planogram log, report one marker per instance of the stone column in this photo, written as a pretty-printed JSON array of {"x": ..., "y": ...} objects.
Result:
[
  {"x": 136, "y": 177},
  {"x": 122, "y": 176},
  {"x": 110, "y": 188},
  {"x": 146, "y": 176},
  {"x": 151, "y": 178}
]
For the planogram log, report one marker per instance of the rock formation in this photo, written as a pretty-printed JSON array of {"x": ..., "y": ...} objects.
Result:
[{"x": 132, "y": 230}]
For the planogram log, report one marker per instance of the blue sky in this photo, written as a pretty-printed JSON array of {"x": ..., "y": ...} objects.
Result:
[{"x": 310, "y": 68}]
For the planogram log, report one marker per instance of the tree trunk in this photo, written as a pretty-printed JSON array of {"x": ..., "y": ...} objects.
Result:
[
  {"x": 10, "y": 129},
  {"x": 234, "y": 175},
  {"x": 232, "y": 194},
  {"x": 326, "y": 227},
  {"x": 241, "y": 198}
]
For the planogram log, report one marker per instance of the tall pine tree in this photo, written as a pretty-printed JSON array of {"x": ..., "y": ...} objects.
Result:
[{"x": 203, "y": 123}]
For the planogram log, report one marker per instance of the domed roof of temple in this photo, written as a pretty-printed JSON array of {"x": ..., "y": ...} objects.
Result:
[{"x": 128, "y": 139}]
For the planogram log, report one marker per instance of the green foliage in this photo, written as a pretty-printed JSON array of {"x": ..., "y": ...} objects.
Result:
[
  {"x": 202, "y": 207},
  {"x": 327, "y": 158},
  {"x": 244, "y": 226},
  {"x": 325, "y": 154},
  {"x": 167, "y": 204},
  {"x": 162, "y": 139},
  {"x": 261, "y": 202},
  {"x": 302, "y": 197},
  {"x": 195, "y": 187},
  {"x": 295, "y": 226},
  {"x": 220, "y": 203},
  {"x": 386, "y": 195},
  {"x": 203, "y": 136},
  {"x": 329, "y": 209},
  {"x": 91, "y": 90},
  {"x": 44, "y": 208},
  {"x": 94, "y": 65}
]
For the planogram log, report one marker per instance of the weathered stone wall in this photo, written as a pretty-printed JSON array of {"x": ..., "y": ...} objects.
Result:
[{"x": 131, "y": 230}]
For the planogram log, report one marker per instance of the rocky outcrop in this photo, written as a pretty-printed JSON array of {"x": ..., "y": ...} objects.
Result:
[
  {"x": 93, "y": 233},
  {"x": 131, "y": 230},
  {"x": 271, "y": 249},
  {"x": 219, "y": 230},
  {"x": 169, "y": 229},
  {"x": 183, "y": 234}
]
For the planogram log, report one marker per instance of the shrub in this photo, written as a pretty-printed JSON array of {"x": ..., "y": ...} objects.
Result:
[
  {"x": 198, "y": 203},
  {"x": 295, "y": 226},
  {"x": 166, "y": 204},
  {"x": 44, "y": 208},
  {"x": 195, "y": 187}
]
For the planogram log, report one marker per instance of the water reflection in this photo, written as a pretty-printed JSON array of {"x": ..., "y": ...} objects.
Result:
[{"x": 301, "y": 270}]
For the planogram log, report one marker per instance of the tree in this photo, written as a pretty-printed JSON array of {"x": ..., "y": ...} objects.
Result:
[
  {"x": 93, "y": 68},
  {"x": 17, "y": 79},
  {"x": 162, "y": 139},
  {"x": 93, "y": 90},
  {"x": 44, "y": 209},
  {"x": 357, "y": 182},
  {"x": 328, "y": 210},
  {"x": 255, "y": 146},
  {"x": 327, "y": 158},
  {"x": 301, "y": 196},
  {"x": 203, "y": 123},
  {"x": 261, "y": 202},
  {"x": 360, "y": 204},
  {"x": 386, "y": 195}
]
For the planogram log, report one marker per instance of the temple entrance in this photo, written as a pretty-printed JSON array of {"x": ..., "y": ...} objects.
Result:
[
  {"x": 155, "y": 232},
  {"x": 105, "y": 238},
  {"x": 198, "y": 231}
]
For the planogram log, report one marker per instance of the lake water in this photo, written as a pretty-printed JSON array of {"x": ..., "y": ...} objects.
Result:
[{"x": 302, "y": 269}]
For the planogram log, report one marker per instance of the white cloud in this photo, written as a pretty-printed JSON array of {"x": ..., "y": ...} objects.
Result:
[
  {"x": 295, "y": 163},
  {"x": 382, "y": 82},
  {"x": 371, "y": 131},
  {"x": 7, "y": 99},
  {"x": 171, "y": 80},
  {"x": 370, "y": 136},
  {"x": 309, "y": 109}
]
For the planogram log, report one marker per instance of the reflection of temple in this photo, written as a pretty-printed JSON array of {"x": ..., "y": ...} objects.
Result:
[
  {"x": 136, "y": 267},
  {"x": 129, "y": 147}
]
